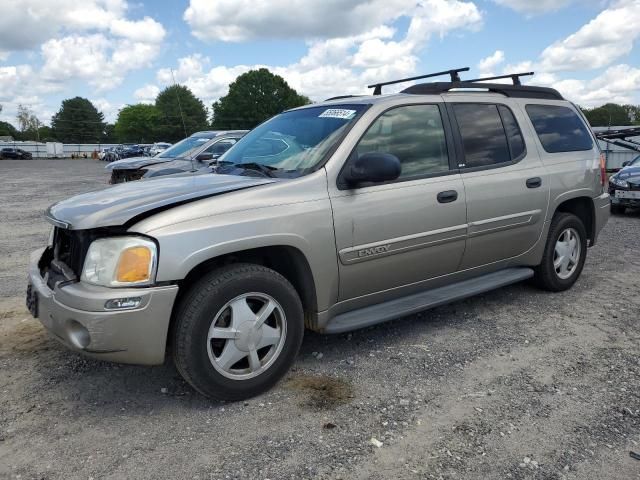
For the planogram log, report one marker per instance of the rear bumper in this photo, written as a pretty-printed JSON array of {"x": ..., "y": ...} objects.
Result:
[
  {"x": 75, "y": 315},
  {"x": 602, "y": 209}
]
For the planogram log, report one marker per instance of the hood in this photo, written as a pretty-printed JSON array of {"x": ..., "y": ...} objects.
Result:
[
  {"x": 135, "y": 163},
  {"x": 122, "y": 203},
  {"x": 174, "y": 165},
  {"x": 630, "y": 174}
]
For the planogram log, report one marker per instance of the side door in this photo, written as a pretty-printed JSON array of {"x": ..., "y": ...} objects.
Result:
[
  {"x": 506, "y": 184},
  {"x": 400, "y": 233}
]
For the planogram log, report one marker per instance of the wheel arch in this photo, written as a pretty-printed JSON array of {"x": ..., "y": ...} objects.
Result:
[
  {"x": 288, "y": 261},
  {"x": 583, "y": 208}
]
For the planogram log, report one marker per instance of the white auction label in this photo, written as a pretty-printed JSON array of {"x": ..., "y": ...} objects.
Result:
[{"x": 338, "y": 113}]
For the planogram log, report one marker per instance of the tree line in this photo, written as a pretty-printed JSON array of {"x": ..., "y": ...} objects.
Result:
[{"x": 176, "y": 113}]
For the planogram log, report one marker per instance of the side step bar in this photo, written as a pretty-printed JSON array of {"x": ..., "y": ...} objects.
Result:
[{"x": 365, "y": 317}]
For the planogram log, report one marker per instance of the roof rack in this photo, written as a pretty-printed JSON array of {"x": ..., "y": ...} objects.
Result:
[
  {"x": 621, "y": 137},
  {"x": 516, "y": 91},
  {"x": 455, "y": 77},
  {"x": 340, "y": 97},
  {"x": 515, "y": 77}
]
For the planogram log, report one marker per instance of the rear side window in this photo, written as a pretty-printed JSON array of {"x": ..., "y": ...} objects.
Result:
[
  {"x": 559, "y": 128},
  {"x": 483, "y": 135}
]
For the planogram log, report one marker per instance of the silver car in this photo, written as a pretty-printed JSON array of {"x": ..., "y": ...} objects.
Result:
[
  {"x": 193, "y": 153},
  {"x": 331, "y": 217}
]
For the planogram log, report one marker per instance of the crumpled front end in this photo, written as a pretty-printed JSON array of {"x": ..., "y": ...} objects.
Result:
[{"x": 126, "y": 325}]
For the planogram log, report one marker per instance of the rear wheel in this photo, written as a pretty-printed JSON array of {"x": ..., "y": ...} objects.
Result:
[
  {"x": 238, "y": 331},
  {"x": 564, "y": 254},
  {"x": 618, "y": 209}
]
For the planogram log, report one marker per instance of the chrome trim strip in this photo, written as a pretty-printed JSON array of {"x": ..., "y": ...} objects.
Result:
[
  {"x": 392, "y": 246},
  {"x": 522, "y": 218}
]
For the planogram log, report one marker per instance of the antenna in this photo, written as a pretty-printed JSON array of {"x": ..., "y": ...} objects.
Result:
[
  {"x": 455, "y": 77},
  {"x": 179, "y": 104},
  {"x": 182, "y": 117},
  {"x": 515, "y": 77}
]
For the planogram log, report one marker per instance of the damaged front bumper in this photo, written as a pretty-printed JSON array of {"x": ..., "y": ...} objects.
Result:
[{"x": 75, "y": 314}]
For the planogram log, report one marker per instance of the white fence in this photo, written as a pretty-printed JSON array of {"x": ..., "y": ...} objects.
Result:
[{"x": 56, "y": 149}]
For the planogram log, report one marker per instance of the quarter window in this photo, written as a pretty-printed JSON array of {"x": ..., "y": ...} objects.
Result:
[
  {"x": 559, "y": 128},
  {"x": 514, "y": 135},
  {"x": 483, "y": 135},
  {"x": 415, "y": 135}
]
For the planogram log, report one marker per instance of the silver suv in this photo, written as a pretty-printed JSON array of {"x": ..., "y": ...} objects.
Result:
[{"x": 330, "y": 217}]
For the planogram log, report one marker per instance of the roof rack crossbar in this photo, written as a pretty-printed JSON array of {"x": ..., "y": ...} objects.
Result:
[
  {"x": 455, "y": 77},
  {"x": 519, "y": 91},
  {"x": 515, "y": 77}
]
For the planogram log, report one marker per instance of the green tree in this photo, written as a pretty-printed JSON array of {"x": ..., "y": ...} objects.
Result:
[
  {"x": 608, "y": 114},
  {"x": 78, "y": 121},
  {"x": 8, "y": 130},
  {"x": 172, "y": 123},
  {"x": 137, "y": 123},
  {"x": 28, "y": 123},
  {"x": 45, "y": 134},
  {"x": 109, "y": 133},
  {"x": 254, "y": 97}
]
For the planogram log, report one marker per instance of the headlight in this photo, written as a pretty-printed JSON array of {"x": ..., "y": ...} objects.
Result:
[
  {"x": 619, "y": 182},
  {"x": 120, "y": 261}
]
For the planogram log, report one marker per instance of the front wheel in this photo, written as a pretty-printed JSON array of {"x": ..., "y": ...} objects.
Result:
[
  {"x": 564, "y": 254},
  {"x": 238, "y": 331}
]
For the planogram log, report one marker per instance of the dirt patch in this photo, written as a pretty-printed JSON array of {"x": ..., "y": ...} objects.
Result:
[
  {"x": 25, "y": 337},
  {"x": 321, "y": 392}
]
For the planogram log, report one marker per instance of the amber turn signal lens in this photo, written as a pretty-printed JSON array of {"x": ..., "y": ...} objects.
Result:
[{"x": 134, "y": 265}]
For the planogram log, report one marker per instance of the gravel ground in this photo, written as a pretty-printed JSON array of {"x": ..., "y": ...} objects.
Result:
[{"x": 516, "y": 383}]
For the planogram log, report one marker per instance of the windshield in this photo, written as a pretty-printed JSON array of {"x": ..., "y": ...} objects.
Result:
[
  {"x": 184, "y": 148},
  {"x": 294, "y": 141}
]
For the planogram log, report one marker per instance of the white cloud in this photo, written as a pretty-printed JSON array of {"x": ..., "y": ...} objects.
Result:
[
  {"x": 102, "y": 60},
  {"x": 534, "y": 6},
  {"x": 333, "y": 66},
  {"x": 487, "y": 65},
  {"x": 599, "y": 43},
  {"x": 618, "y": 84},
  {"x": 239, "y": 20},
  {"x": 109, "y": 109},
  {"x": 147, "y": 93},
  {"x": 26, "y": 24},
  {"x": 92, "y": 40}
]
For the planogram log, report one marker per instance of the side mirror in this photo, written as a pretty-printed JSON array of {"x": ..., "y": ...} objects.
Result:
[
  {"x": 624, "y": 164},
  {"x": 203, "y": 157},
  {"x": 372, "y": 167}
]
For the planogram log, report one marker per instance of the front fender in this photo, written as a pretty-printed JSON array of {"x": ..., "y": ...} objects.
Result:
[{"x": 305, "y": 226}]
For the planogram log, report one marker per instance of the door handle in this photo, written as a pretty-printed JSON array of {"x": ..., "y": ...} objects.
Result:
[
  {"x": 534, "y": 182},
  {"x": 447, "y": 196}
]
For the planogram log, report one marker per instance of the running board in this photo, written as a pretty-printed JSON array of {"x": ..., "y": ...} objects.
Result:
[{"x": 368, "y": 316}]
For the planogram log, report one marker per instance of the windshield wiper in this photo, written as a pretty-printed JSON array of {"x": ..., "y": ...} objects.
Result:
[{"x": 267, "y": 170}]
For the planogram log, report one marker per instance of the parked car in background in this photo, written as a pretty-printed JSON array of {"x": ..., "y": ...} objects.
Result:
[
  {"x": 624, "y": 187},
  {"x": 331, "y": 217},
  {"x": 158, "y": 147},
  {"x": 189, "y": 155},
  {"x": 15, "y": 153}
]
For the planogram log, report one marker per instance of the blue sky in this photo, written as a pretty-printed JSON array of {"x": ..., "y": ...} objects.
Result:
[{"x": 116, "y": 52}]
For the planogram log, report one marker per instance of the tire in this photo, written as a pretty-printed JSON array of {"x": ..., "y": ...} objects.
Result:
[
  {"x": 219, "y": 299},
  {"x": 547, "y": 276},
  {"x": 617, "y": 209}
]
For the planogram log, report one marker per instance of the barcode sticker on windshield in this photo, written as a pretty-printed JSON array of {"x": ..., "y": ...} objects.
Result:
[{"x": 338, "y": 113}]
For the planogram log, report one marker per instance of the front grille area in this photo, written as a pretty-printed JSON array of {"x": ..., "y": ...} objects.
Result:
[
  {"x": 64, "y": 259},
  {"x": 121, "y": 176}
]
